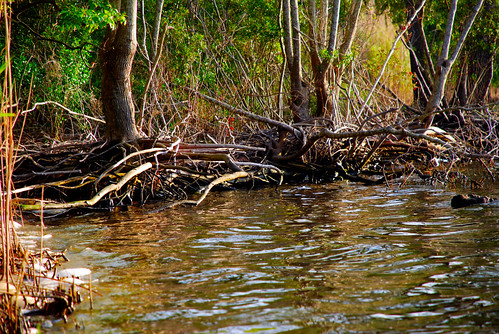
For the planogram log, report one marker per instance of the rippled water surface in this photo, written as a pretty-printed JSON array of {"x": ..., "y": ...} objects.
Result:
[{"x": 303, "y": 259}]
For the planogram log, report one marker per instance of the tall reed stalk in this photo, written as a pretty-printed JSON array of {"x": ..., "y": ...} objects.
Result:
[{"x": 8, "y": 315}]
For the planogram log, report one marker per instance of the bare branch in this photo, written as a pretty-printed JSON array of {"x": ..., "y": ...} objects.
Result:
[
  {"x": 465, "y": 32},
  {"x": 248, "y": 114},
  {"x": 37, "y": 104}
]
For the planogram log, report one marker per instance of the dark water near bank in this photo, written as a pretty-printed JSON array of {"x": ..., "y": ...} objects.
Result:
[{"x": 335, "y": 258}]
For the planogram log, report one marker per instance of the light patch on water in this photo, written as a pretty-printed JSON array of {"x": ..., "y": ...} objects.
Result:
[
  {"x": 387, "y": 316},
  {"x": 271, "y": 328},
  {"x": 455, "y": 263},
  {"x": 275, "y": 250},
  {"x": 403, "y": 234},
  {"x": 424, "y": 314},
  {"x": 302, "y": 220},
  {"x": 440, "y": 276},
  {"x": 183, "y": 313}
]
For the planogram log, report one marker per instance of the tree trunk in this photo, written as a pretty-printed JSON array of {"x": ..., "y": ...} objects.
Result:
[
  {"x": 445, "y": 62},
  {"x": 324, "y": 105},
  {"x": 117, "y": 53},
  {"x": 299, "y": 91},
  {"x": 421, "y": 64}
]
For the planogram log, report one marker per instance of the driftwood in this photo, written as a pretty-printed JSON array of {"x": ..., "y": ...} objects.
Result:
[{"x": 90, "y": 202}]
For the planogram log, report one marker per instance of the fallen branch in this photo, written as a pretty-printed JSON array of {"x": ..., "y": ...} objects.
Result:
[
  {"x": 213, "y": 157},
  {"x": 60, "y": 184},
  {"x": 326, "y": 133},
  {"x": 223, "y": 178},
  {"x": 86, "y": 203},
  {"x": 150, "y": 150}
]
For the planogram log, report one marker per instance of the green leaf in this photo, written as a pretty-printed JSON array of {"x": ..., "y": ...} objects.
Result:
[{"x": 7, "y": 114}]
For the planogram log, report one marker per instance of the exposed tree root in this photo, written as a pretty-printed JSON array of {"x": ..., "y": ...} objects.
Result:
[{"x": 101, "y": 175}]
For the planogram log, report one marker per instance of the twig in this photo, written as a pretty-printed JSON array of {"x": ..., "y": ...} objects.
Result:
[
  {"x": 247, "y": 114},
  {"x": 223, "y": 178},
  {"x": 212, "y": 157},
  {"x": 37, "y": 104},
  {"x": 151, "y": 75},
  {"x": 150, "y": 150},
  {"x": 220, "y": 146},
  {"x": 55, "y": 183},
  {"x": 255, "y": 164}
]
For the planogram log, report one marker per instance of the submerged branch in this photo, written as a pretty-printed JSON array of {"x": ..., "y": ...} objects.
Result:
[{"x": 222, "y": 179}]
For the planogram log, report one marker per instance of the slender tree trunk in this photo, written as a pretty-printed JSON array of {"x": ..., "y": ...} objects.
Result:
[
  {"x": 444, "y": 63},
  {"x": 292, "y": 42},
  {"x": 156, "y": 28},
  {"x": 421, "y": 64},
  {"x": 117, "y": 54},
  {"x": 320, "y": 67},
  {"x": 339, "y": 65},
  {"x": 462, "y": 87}
]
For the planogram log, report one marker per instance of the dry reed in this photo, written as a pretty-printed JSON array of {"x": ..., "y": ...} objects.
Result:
[{"x": 10, "y": 245}]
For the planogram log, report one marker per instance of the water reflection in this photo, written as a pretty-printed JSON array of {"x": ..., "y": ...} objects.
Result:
[{"x": 311, "y": 259}]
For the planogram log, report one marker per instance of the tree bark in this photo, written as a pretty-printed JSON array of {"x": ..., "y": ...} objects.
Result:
[
  {"x": 299, "y": 91},
  {"x": 116, "y": 55},
  {"x": 421, "y": 64},
  {"x": 444, "y": 63},
  {"x": 320, "y": 67}
]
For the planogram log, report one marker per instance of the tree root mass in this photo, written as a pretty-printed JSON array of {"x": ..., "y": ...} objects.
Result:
[{"x": 103, "y": 175}]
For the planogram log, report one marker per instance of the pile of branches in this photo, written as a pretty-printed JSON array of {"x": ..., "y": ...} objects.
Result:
[{"x": 104, "y": 175}]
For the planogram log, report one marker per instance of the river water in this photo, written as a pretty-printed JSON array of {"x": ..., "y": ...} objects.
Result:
[{"x": 331, "y": 258}]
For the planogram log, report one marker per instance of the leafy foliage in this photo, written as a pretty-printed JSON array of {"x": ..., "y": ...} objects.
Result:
[
  {"x": 483, "y": 37},
  {"x": 55, "y": 49},
  {"x": 225, "y": 48},
  {"x": 88, "y": 16}
]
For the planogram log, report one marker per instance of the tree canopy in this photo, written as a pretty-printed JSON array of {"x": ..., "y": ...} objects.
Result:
[{"x": 236, "y": 51}]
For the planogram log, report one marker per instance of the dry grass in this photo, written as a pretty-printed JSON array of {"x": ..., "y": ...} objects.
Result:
[
  {"x": 10, "y": 245},
  {"x": 493, "y": 95},
  {"x": 378, "y": 33}
]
